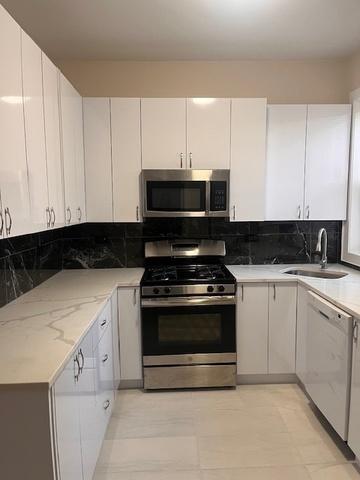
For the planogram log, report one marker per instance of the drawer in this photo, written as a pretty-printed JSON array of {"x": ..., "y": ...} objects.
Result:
[{"x": 102, "y": 323}]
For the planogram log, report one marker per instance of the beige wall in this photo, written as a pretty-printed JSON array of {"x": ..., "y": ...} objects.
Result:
[
  {"x": 279, "y": 81},
  {"x": 354, "y": 72}
]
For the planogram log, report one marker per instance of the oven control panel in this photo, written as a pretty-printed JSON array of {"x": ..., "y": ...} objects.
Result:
[{"x": 176, "y": 290}]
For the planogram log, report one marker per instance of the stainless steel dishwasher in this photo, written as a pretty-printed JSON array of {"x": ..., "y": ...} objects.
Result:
[{"x": 328, "y": 359}]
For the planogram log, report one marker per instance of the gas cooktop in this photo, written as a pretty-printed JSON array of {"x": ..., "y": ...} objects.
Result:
[{"x": 184, "y": 274}]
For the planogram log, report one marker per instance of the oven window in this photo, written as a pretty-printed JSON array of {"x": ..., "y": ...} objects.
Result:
[
  {"x": 176, "y": 196},
  {"x": 196, "y": 329}
]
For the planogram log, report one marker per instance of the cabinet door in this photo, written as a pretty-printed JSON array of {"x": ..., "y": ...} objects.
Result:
[
  {"x": 115, "y": 339},
  {"x": 53, "y": 146},
  {"x": 301, "y": 333},
  {"x": 208, "y": 133},
  {"x": 130, "y": 334},
  {"x": 98, "y": 164},
  {"x": 35, "y": 133},
  {"x": 68, "y": 423},
  {"x": 163, "y": 132},
  {"x": 13, "y": 168},
  {"x": 79, "y": 160},
  {"x": 68, "y": 134},
  {"x": 252, "y": 328},
  {"x": 354, "y": 421},
  {"x": 126, "y": 155},
  {"x": 327, "y": 161},
  {"x": 285, "y": 153},
  {"x": 248, "y": 166},
  {"x": 282, "y": 327}
]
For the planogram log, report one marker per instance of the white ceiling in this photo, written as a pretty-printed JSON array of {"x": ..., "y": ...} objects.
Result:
[{"x": 191, "y": 29}]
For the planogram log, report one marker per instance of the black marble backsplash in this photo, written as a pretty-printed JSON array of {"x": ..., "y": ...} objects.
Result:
[{"x": 27, "y": 261}]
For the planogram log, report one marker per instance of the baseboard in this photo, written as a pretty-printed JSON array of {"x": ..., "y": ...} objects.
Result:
[
  {"x": 267, "y": 378},
  {"x": 128, "y": 384}
]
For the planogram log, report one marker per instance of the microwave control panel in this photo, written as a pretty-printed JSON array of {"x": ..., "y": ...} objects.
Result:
[{"x": 218, "y": 200}]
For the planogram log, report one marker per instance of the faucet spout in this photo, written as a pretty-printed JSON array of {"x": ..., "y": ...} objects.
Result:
[{"x": 321, "y": 247}]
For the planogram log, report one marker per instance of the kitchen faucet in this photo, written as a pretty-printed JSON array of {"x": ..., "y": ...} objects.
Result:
[{"x": 322, "y": 248}]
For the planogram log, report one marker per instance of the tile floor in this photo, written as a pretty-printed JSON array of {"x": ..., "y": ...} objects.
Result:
[{"x": 266, "y": 432}]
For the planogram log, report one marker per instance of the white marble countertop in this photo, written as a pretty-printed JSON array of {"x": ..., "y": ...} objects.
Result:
[
  {"x": 39, "y": 330},
  {"x": 343, "y": 292}
]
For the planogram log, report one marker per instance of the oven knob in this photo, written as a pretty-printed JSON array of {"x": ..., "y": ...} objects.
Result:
[
  {"x": 210, "y": 288},
  {"x": 156, "y": 291},
  {"x": 167, "y": 290},
  {"x": 221, "y": 288}
]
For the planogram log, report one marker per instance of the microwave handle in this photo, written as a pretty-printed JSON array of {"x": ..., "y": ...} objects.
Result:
[{"x": 208, "y": 199}]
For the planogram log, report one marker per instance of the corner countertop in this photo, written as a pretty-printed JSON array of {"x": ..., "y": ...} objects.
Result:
[
  {"x": 342, "y": 292},
  {"x": 39, "y": 330}
]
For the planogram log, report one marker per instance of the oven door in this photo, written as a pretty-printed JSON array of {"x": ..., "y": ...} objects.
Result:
[{"x": 195, "y": 330}]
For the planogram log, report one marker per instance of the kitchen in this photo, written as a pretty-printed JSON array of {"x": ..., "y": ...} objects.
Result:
[{"x": 179, "y": 252}]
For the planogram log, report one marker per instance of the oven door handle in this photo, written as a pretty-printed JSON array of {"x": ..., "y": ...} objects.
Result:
[{"x": 188, "y": 301}]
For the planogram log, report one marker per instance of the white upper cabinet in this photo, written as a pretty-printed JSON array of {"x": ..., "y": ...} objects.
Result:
[
  {"x": 53, "y": 147},
  {"x": 126, "y": 157},
  {"x": 286, "y": 133},
  {"x": 163, "y": 132},
  {"x": 72, "y": 152},
  {"x": 35, "y": 132},
  {"x": 208, "y": 133},
  {"x": 13, "y": 166},
  {"x": 327, "y": 160},
  {"x": 248, "y": 159},
  {"x": 98, "y": 164}
]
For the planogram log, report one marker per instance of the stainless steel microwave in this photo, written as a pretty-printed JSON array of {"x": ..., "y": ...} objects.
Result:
[{"x": 185, "y": 193}]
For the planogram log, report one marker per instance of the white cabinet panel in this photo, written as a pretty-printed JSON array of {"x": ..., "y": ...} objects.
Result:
[
  {"x": 98, "y": 163},
  {"x": 115, "y": 339},
  {"x": 130, "y": 334},
  {"x": 163, "y": 132},
  {"x": 13, "y": 168},
  {"x": 79, "y": 160},
  {"x": 126, "y": 154},
  {"x": 53, "y": 146},
  {"x": 282, "y": 327},
  {"x": 208, "y": 133},
  {"x": 35, "y": 133},
  {"x": 285, "y": 153},
  {"x": 354, "y": 422},
  {"x": 248, "y": 165},
  {"x": 327, "y": 160},
  {"x": 68, "y": 423},
  {"x": 301, "y": 333},
  {"x": 252, "y": 328}
]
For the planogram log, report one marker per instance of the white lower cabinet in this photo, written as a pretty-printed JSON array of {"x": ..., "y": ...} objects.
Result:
[
  {"x": 282, "y": 327},
  {"x": 252, "y": 328},
  {"x": 83, "y": 400},
  {"x": 301, "y": 333},
  {"x": 130, "y": 334},
  {"x": 354, "y": 422}
]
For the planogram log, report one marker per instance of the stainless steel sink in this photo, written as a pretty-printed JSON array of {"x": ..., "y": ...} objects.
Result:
[{"x": 315, "y": 273}]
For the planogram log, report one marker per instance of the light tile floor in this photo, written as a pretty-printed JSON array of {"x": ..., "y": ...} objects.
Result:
[{"x": 266, "y": 432}]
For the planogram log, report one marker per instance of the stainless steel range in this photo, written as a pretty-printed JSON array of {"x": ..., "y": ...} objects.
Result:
[{"x": 188, "y": 316}]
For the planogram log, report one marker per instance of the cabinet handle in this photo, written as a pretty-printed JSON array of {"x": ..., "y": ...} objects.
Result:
[
  {"x": 307, "y": 211},
  {"x": 355, "y": 331},
  {"x": 52, "y": 216},
  {"x": 8, "y": 216},
  {"x": 181, "y": 159},
  {"x": 79, "y": 214},
  {"x": 299, "y": 212},
  {"x": 134, "y": 296},
  {"x": 48, "y": 217},
  {"x": 137, "y": 213},
  {"x": 68, "y": 219},
  {"x": 103, "y": 323},
  {"x": 190, "y": 159},
  {"x": 82, "y": 360},
  {"x": 77, "y": 363},
  {"x": 242, "y": 293},
  {"x": 1, "y": 223},
  {"x": 106, "y": 404},
  {"x": 274, "y": 294},
  {"x": 105, "y": 358},
  {"x": 234, "y": 212}
]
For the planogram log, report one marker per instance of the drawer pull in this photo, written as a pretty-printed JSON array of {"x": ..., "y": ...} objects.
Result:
[
  {"x": 103, "y": 323},
  {"x": 106, "y": 404},
  {"x": 105, "y": 358}
]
